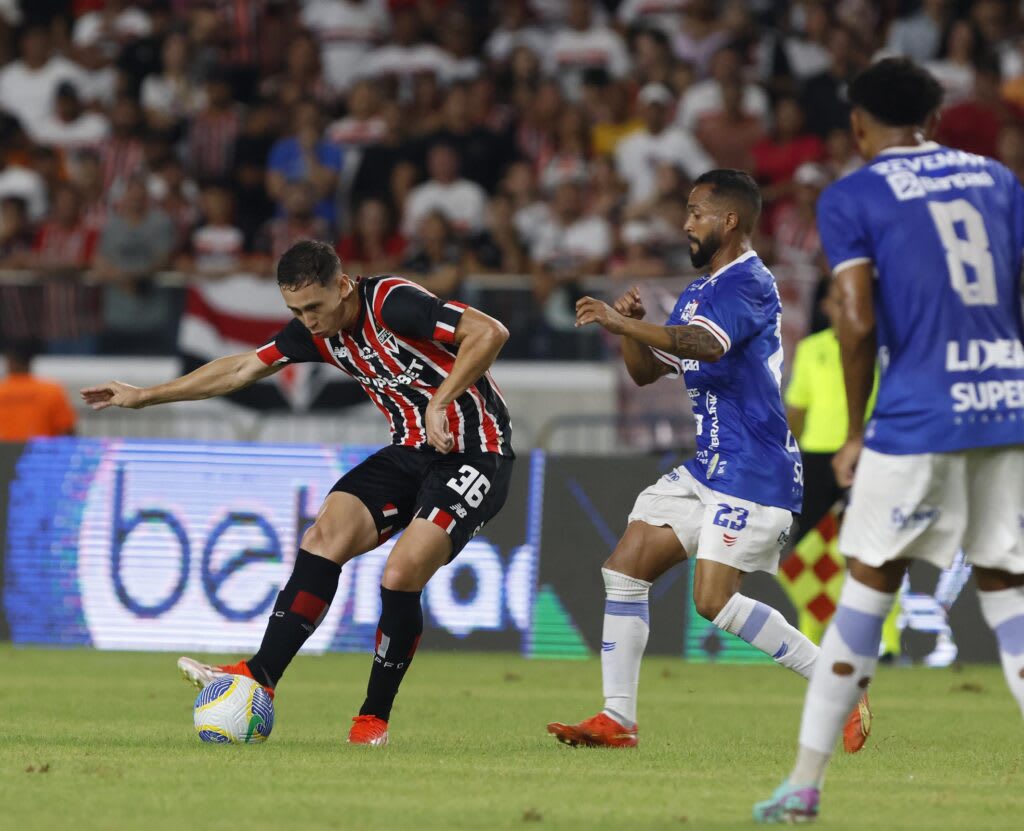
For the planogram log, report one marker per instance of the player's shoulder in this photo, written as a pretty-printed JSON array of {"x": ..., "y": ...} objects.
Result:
[
  {"x": 383, "y": 284},
  {"x": 743, "y": 274}
]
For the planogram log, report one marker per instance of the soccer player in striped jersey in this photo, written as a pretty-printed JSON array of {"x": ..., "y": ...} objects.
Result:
[{"x": 425, "y": 364}]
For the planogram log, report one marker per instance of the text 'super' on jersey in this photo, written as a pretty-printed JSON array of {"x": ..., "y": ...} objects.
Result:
[
  {"x": 744, "y": 447},
  {"x": 944, "y": 230},
  {"x": 400, "y": 350}
]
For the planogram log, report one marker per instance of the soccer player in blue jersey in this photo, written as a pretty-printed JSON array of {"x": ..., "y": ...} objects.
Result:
[
  {"x": 926, "y": 245},
  {"x": 732, "y": 505}
]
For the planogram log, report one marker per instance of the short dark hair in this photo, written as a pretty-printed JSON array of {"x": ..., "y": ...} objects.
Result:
[
  {"x": 737, "y": 186},
  {"x": 308, "y": 262},
  {"x": 897, "y": 92}
]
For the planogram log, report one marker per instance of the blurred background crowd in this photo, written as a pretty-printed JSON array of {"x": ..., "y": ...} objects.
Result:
[{"x": 514, "y": 153}]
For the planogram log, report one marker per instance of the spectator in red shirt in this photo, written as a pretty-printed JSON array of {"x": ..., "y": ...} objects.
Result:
[
  {"x": 63, "y": 250},
  {"x": 374, "y": 246},
  {"x": 973, "y": 125},
  {"x": 122, "y": 153},
  {"x": 212, "y": 135},
  {"x": 778, "y": 155},
  {"x": 730, "y": 134}
]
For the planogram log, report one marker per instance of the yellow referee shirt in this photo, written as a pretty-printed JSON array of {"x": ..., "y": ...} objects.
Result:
[{"x": 816, "y": 386}]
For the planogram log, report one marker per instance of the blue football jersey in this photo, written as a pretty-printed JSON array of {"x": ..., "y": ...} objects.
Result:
[
  {"x": 945, "y": 232},
  {"x": 744, "y": 447}
]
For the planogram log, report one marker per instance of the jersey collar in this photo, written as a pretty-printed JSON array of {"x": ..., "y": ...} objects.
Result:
[
  {"x": 741, "y": 258},
  {"x": 924, "y": 147}
]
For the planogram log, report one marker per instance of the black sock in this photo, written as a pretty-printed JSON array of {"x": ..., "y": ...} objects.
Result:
[
  {"x": 300, "y": 607},
  {"x": 398, "y": 635}
]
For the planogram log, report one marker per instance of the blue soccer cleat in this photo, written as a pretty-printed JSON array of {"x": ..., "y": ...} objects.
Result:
[{"x": 788, "y": 804}]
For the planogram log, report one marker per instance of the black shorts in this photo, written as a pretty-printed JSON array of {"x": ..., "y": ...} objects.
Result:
[{"x": 458, "y": 492}]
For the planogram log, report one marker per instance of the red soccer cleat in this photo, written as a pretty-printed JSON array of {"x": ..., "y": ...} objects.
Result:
[
  {"x": 858, "y": 726},
  {"x": 598, "y": 731},
  {"x": 199, "y": 674},
  {"x": 368, "y": 730}
]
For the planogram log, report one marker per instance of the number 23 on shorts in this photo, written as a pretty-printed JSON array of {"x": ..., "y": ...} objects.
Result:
[{"x": 729, "y": 516}]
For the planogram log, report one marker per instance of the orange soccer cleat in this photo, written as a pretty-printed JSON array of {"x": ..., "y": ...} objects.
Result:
[
  {"x": 858, "y": 726},
  {"x": 368, "y": 730},
  {"x": 199, "y": 674},
  {"x": 598, "y": 731}
]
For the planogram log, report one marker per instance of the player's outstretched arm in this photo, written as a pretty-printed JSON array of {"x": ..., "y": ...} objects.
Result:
[
  {"x": 855, "y": 330},
  {"x": 480, "y": 339},
  {"x": 218, "y": 377},
  {"x": 687, "y": 341}
]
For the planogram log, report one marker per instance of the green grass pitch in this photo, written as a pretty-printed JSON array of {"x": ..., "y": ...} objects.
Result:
[{"x": 94, "y": 740}]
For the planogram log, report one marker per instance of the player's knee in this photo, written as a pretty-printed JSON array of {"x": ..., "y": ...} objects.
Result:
[
  {"x": 336, "y": 547},
  {"x": 709, "y": 604},
  {"x": 402, "y": 577}
]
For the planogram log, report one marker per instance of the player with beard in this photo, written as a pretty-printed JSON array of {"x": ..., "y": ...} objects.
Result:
[{"x": 732, "y": 505}]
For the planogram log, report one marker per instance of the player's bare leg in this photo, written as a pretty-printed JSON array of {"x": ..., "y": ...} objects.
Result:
[
  {"x": 418, "y": 554},
  {"x": 716, "y": 594},
  {"x": 343, "y": 529},
  {"x": 644, "y": 553}
]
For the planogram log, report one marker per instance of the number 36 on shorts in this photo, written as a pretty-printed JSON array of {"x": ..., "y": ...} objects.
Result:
[{"x": 470, "y": 484}]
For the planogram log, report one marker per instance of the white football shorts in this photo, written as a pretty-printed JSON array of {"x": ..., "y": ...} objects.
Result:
[
  {"x": 714, "y": 526},
  {"x": 927, "y": 506}
]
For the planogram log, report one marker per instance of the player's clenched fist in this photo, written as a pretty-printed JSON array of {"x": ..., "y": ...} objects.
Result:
[
  {"x": 439, "y": 434},
  {"x": 631, "y": 305},
  {"x": 589, "y": 310},
  {"x": 113, "y": 394}
]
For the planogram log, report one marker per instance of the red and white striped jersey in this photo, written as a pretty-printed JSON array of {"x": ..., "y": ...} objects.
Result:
[{"x": 400, "y": 350}]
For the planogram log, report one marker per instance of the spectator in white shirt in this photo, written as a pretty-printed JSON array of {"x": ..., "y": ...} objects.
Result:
[
  {"x": 28, "y": 85},
  {"x": 25, "y": 184},
  {"x": 405, "y": 55},
  {"x": 919, "y": 35},
  {"x": 173, "y": 94},
  {"x": 572, "y": 245},
  {"x": 582, "y": 45},
  {"x": 455, "y": 33},
  {"x": 70, "y": 127},
  {"x": 515, "y": 30},
  {"x": 661, "y": 14},
  {"x": 461, "y": 201},
  {"x": 108, "y": 29},
  {"x": 639, "y": 155},
  {"x": 347, "y": 30},
  {"x": 706, "y": 96}
]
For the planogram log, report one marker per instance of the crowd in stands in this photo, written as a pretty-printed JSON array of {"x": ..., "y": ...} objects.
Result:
[{"x": 438, "y": 139}]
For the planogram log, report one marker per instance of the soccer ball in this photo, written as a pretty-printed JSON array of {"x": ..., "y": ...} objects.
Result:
[{"x": 233, "y": 710}]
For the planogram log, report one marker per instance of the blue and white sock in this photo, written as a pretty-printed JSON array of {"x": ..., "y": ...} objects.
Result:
[
  {"x": 846, "y": 663},
  {"x": 623, "y": 641},
  {"x": 766, "y": 629},
  {"x": 1004, "y": 613}
]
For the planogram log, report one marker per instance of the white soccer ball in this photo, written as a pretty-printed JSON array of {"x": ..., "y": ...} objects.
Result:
[{"x": 233, "y": 710}]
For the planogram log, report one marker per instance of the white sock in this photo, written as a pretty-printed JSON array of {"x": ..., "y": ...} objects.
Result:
[
  {"x": 623, "y": 640},
  {"x": 848, "y": 657},
  {"x": 766, "y": 629},
  {"x": 1004, "y": 613}
]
